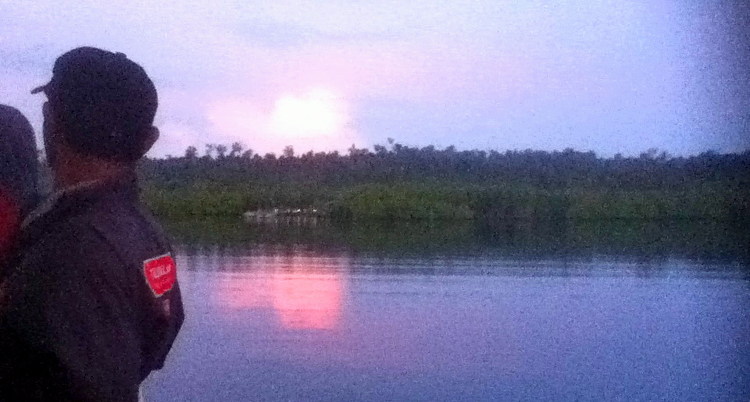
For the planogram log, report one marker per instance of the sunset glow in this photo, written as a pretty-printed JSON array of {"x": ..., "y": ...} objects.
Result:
[
  {"x": 307, "y": 301},
  {"x": 305, "y": 292},
  {"x": 316, "y": 119},
  {"x": 314, "y": 114},
  {"x": 611, "y": 77}
]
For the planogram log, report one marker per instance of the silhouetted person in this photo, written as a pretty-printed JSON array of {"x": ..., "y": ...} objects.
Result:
[
  {"x": 18, "y": 177},
  {"x": 92, "y": 305}
]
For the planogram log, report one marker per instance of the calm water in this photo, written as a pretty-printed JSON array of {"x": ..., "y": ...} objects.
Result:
[{"x": 473, "y": 320}]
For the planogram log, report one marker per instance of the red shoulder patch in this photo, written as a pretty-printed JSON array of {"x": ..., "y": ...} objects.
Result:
[{"x": 160, "y": 273}]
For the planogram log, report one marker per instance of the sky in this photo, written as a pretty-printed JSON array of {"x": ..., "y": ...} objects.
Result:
[{"x": 607, "y": 76}]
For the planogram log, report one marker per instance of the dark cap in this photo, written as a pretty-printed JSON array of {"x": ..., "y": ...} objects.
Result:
[{"x": 104, "y": 102}]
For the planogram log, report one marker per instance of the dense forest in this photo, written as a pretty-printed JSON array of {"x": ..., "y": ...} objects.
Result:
[{"x": 395, "y": 182}]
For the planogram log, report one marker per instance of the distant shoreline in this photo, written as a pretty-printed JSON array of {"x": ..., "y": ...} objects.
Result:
[{"x": 400, "y": 183}]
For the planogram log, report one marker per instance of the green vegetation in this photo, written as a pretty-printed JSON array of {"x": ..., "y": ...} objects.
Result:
[{"x": 400, "y": 183}]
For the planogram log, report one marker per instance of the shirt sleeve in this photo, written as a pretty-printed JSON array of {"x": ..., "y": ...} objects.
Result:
[{"x": 69, "y": 301}]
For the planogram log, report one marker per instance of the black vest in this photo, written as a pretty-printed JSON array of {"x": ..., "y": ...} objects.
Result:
[{"x": 92, "y": 305}]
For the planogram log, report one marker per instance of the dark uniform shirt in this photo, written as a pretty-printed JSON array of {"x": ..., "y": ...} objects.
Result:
[{"x": 92, "y": 306}]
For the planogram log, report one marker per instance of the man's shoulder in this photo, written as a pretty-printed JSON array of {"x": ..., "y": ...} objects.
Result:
[
  {"x": 106, "y": 226},
  {"x": 62, "y": 244},
  {"x": 59, "y": 235},
  {"x": 129, "y": 229},
  {"x": 64, "y": 257}
]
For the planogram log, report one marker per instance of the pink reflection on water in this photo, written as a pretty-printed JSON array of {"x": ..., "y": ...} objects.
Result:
[
  {"x": 304, "y": 291},
  {"x": 304, "y": 301}
]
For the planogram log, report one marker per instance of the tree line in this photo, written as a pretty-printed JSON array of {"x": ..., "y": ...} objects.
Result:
[
  {"x": 397, "y": 163},
  {"x": 449, "y": 182}
]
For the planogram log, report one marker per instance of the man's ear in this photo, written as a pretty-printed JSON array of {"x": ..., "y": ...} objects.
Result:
[{"x": 153, "y": 135}]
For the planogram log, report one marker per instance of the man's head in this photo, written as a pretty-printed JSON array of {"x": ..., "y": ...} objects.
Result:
[{"x": 100, "y": 105}]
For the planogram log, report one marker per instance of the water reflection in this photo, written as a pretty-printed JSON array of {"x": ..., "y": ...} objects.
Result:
[
  {"x": 295, "y": 321},
  {"x": 304, "y": 291},
  {"x": 634, "y": 241},
  {"x": 308, "y": 301}
]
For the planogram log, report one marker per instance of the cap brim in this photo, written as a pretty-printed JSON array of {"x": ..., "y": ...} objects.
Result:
[{"x": 39, "y": 89}]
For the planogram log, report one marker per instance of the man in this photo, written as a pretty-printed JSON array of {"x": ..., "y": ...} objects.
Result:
[
  {"x": 92, "y": 306},
  {"x": 18, "y": 177}
]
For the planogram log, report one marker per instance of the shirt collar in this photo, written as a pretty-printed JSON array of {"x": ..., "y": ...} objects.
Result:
[{"x": 53, "y": 198}]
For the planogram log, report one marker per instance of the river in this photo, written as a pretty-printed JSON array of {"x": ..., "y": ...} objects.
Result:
[{"x": 459, "y": 314}]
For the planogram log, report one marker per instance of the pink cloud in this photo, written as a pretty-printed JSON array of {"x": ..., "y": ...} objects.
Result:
[{"x": 257, "y": 124}]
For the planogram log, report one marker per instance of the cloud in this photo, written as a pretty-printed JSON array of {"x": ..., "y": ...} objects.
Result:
[
  {"x": 313, "y": 120},
  {"x": 573, "y": 74}
]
